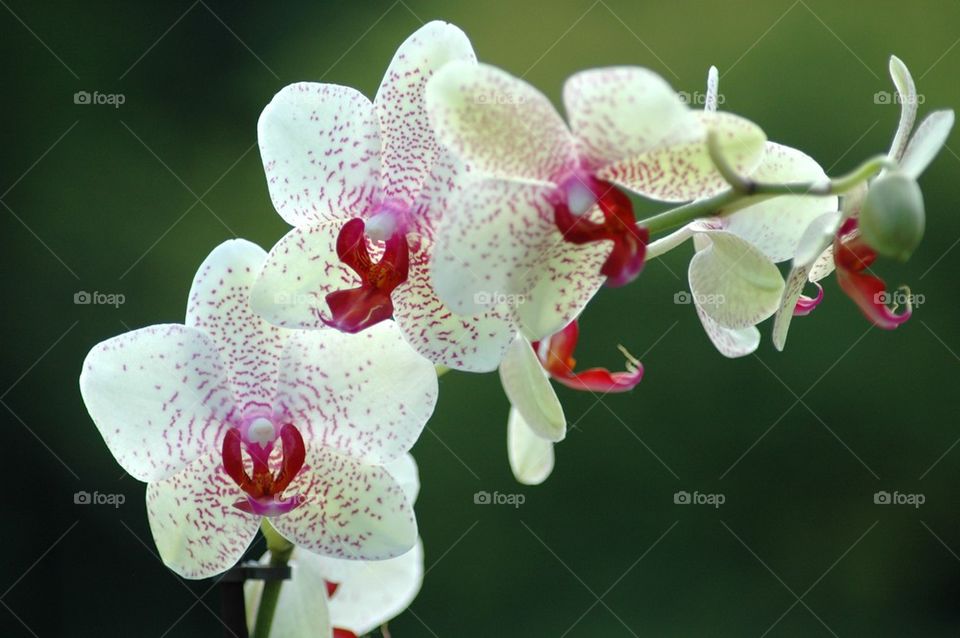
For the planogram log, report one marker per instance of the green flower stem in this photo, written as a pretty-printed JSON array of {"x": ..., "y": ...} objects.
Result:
[
  {"x": 744, "y": 191},
  {"x": 280, "y": 551}
]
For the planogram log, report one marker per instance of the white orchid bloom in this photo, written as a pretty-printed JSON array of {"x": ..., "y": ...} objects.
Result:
[
  {"x": 545, "y": 223},
  {"x": 833, "y": 241},
  {"x": 336, "y": 598},
  {"x": 734, "y": 280},
  {"x": 364, "y": 184},
  {"x": 229, "y": 419}
]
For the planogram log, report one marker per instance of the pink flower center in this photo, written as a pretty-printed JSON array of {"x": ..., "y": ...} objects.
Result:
[
  {"x": 579, "y": 193},
  {"x": 369, "y": 303},
  {"x": 263, "y": 488}
]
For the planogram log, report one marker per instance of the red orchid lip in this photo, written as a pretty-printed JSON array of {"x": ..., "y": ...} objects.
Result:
[
  {"x": 356, "y": 309},
  {"x": 556, "y": 356},
  {"x": 626, "y": 258},
  {"x": 806, "y": 305},
  {"x": 853, "y": 257},
  {"x": 264, "y": 489}
]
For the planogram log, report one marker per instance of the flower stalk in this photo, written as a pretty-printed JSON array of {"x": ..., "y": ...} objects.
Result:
[{"x": 280, "y": 551}]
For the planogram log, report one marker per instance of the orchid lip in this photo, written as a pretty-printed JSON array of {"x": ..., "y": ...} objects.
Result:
[
  {"x": 556, "y": 357},
  {"x": 263, "y": 489}
]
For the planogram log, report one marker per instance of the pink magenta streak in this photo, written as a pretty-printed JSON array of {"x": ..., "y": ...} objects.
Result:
[
  {"x": 358, "y": 308},
  {"x": 558, "y": 360},
  {"x": 853, "y": 257},
  {"x": 625, "y": 261},
  {"x": 806, "y": 305},
  {"x": 264, "y": 490}
]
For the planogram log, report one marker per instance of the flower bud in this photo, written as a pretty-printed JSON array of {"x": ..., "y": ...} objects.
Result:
[{"x": 892, "y": 216}]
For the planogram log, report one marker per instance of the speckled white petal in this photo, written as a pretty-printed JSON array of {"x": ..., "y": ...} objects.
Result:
[
  {"x": 299, "y": 271},
  {"x": 681, "y": 170},
  {"x": 350, "y": 509},
  {"x": 528, "y": 388},
  {"x": 926, "y": 142},
  {"x": 618, "y": 113},
  {"x": 367, "y": 395},
  {"x": 730, "y": 342},
  {"x": 220, "y": 306},
  {"x": 405, "y": 472},
  {"x": 733, "y": 282},
  {"x": 197, "y": 530},
  {"x": 473, "y": 343},
  {"x": 159, "y": 396},
  {"x": 498, "y": 124},
  {"x": 409, "y": 145},
  {"x": 775, "y": 226},
  {"x": 560, "y": 285},
  {"x": 320, "y": 145},
  {"x": 531, "y": 457},
  {"x": 486, "y": 253}
]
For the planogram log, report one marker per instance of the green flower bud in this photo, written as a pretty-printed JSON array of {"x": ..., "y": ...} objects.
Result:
[{"x": 892, "y": 217}]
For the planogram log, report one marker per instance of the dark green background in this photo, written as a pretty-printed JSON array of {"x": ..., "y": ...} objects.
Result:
[{"x": 846, "y": 411}]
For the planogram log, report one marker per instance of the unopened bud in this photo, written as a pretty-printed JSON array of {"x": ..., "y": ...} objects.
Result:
[{"x": 892, "y": 217}]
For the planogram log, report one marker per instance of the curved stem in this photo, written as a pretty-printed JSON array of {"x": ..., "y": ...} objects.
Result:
[
  {"x": 744, "y": 191},
  {"x": 280, "y": 551}
]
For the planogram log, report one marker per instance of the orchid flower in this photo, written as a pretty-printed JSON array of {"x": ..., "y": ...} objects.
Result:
[
  {"x": 546, "y": 221},
  {"x": 364, "y": 184},
  {"x": 229, "y": 419},
  {"x": 733, "y": 277},
  {"x": 833, "y": 241},
  {"x": 337, "y": 598},
  {"x": 536, "y": 418}
]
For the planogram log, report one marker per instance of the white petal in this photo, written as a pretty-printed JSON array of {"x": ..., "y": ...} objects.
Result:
[
  {"x": 405, "y": 472},
  {"x": 618, "y": 113},
  {"x": 730, "y": 342},
  {"x": 814, "y": 251},
  {"x": 350, "y": 510},
  {"x": 498, "y": 124},
  {"x": 528, "y": 388},
  {"x": 409, "y": 146},
  {"x": 198, "y": 531},
  {"x": 775, "y": 226},
  {"x": 795, "y": 283},
  {"x": 298, "y": 274},
  {"x": 302, "y": 606},
  {"x": 681, "y": 170},
  {"x": 159, "y": 396},
  {"x": 531, "y": 457},
  {"x": 733, "y": 282},
  {"x": 220, "y": 306},
  {"x": 907, "y": 97},
  {"x": 367, "y": 395},
  {"x": 926, "y": 142},
  {"x": 474, "y": 343},
  {"x": 320, "y": 145},
  {"x": 667, "y": 243},
  {"x": 566, "y": 277},
  {"x": 486, "y": 252}
]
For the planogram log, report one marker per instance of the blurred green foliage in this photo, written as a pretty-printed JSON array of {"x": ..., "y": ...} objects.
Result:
[{"x": 130, "y": 200}]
